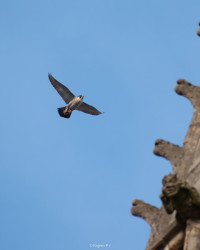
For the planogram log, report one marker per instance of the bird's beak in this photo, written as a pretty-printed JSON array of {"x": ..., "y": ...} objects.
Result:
[{"x": 82, "y": 96}]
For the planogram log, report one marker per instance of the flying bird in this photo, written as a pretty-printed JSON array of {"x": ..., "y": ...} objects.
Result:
[{"x": 73, "y": 102}]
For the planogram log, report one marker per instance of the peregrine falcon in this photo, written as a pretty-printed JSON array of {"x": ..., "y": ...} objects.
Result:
[{"x": 73, "y": 102}]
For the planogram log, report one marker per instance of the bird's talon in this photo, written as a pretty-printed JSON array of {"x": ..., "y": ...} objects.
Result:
[{"x": 65, "y": 111}]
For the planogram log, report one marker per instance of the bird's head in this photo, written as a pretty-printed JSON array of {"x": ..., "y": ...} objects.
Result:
[{"x": 81, "y": 97}]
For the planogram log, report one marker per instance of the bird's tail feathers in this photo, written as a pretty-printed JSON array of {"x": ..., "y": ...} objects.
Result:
[{"x": 64, "y": 114}]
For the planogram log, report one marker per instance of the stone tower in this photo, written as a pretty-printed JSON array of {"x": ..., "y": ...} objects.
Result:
[{"x": 176, "y": 225}]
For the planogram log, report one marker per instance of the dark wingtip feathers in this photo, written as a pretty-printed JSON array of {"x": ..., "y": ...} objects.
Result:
[{"x": 50, "y": 76}]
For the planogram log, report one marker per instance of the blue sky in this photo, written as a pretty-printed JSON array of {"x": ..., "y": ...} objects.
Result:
[{"x": 68, "y": 183}]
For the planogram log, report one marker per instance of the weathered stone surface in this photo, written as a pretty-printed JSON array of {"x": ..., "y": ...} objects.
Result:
[
  {"x": 177, "y": 195},
  {"x": 191, "y": 140},
  {"x": 177, "y": 226},
  {"x": 157, "y": 218},
  {"x": 192, "y": 235},
  {"x": 198, "y": 31},
  {"x": 181, "y": 190},
  {"x": 145, "y": 211},
  {"x": 176, "y": 242},
  {"x": 172, "y": 152}
]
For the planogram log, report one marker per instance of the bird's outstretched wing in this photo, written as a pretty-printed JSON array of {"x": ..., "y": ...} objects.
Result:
[
  {"x": 84, "y": 107},
  {"x": 63, "y": 91}
]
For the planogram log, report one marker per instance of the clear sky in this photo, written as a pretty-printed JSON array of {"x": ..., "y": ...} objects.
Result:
[{"x": 69, "y": 183}]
